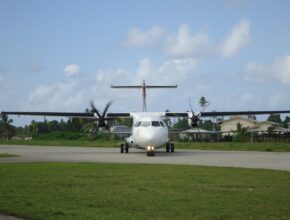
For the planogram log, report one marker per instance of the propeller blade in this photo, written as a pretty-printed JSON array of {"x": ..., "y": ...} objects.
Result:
[
  {"x": 102, "y": 120},
  {"x": 106, "y": 108},
  {"x": 195, "y": 118},
  {"x": 94, "y": 109},
  {"x": 190, "y": 106}
]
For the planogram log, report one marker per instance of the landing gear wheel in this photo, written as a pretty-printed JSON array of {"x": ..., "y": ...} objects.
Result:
[
  {"x": 172, "y": 148},
  {"x": 167, "y": 147},
  {"x": 151, "y": 153},
  {"x": 127, "y": 148},
  {"x": 122, "y": 148}
]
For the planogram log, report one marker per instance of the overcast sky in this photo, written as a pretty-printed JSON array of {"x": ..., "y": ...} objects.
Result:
[{"x": 57, "y": 55}]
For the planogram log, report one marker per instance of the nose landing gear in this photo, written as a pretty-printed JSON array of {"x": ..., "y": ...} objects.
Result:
[{"x": 150, "y": 151}]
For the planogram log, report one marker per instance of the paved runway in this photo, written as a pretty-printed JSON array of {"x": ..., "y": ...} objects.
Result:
[{"x": 264, "y": 160}]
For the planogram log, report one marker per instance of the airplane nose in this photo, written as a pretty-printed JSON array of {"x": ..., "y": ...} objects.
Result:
[
  {"x": 152, "y": 138},
  {"x": 149, "y": 137}
]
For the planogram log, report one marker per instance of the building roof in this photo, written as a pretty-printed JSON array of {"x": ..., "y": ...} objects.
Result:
[
  {"x": 237, "y": 117},
  {"x": 199, "y": 131}
]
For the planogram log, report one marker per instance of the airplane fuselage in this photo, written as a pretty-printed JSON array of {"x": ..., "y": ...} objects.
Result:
[{"x": 149, "y": 131}]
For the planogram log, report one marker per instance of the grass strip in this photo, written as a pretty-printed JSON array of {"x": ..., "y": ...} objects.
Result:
[{"x": 129, "y": 191}]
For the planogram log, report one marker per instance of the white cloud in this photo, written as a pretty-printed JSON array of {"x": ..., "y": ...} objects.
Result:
[
  {"x": 279, "y": 70},
  {"x": 185, "y": 45},
  {"x": 239, "y": 37},
  {"x": 256, "y": 73},
  {"x": 139, "y": 38},
  {"x": 56, "y": 96},
  {"x": 71, "y": 70},
  {"x": 171, "y": 71},
  {"x": 145, "y": 68},
  {"x": 277, "y": 99},
  {"x": 73, "y": 94}
]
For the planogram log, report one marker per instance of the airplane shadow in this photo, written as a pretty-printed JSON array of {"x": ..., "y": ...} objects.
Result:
[{"x": 158, "y": 153}]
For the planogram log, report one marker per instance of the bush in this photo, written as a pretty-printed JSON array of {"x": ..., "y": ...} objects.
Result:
[{"x": 58, "y": 135}]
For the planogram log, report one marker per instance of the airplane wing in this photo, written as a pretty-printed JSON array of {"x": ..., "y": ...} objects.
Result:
[
  {"x": 126, "y": 115},
  {"x": 225, "y": 113},
  {"x": 101, "y": 118},
  {"x": 118, "y": 115},
  {"x": 229, "y": 113},
  {"x": 67, "y": 114},
  {"x": 56, "y": 114}
]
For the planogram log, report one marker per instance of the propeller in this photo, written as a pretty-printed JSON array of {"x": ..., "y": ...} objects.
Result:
[
  {"x": 195, "y": 118},
  {"x": 101, "y": 119}
]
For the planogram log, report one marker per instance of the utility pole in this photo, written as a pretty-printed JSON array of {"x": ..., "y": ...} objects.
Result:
[{"x": 143, "y": 87}]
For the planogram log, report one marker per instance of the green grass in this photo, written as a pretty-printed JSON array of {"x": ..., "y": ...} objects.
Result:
[
  {"x": 123, "y": 191},
  {"x": 275, "y": 147},
  {"x": 78, "y": 143},
  {"x": 260, "y": 146}
]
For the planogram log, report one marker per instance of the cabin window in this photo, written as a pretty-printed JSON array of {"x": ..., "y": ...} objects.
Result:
[
  {"x": 138, "y": 124},
  {"x": 146, "y": 123},
  {"x": 162, "y": 124},
  {"x": 155, "y": 123}
]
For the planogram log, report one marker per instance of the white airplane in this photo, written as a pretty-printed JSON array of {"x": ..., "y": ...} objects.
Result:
[{"x": 149, "y": 130}]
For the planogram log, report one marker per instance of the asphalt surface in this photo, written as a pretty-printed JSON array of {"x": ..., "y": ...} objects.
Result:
[{"x": 264, "y": 160}]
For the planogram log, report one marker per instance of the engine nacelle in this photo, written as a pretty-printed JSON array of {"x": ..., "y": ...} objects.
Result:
[
  {"x": 130, "y": 141},
  {"x": 193, "y": 121}
]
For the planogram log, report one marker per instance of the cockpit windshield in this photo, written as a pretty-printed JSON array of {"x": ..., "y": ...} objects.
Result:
[
  {"x": 150, "y": 123},
  {"x": 138, "y": 124},
  {"x": 155, "y": 123},
  {"x": 146, "y": 123}
]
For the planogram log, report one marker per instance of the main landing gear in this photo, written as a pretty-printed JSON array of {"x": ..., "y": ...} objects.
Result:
[
  {"x": 124, "y": 148},
  {"x": 170, "y": 147}
]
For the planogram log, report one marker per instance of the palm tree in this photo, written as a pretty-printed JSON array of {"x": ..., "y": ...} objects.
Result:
[
  {"x": 203, "y": 102},
  {"x": 6, "y": 129}
]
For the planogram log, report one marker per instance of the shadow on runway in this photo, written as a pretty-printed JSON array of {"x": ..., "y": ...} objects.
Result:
[{"x": 160, "y": 153}]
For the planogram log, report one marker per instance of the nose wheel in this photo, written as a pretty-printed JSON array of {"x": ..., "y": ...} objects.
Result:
[{"x": 151, "y": 153}]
